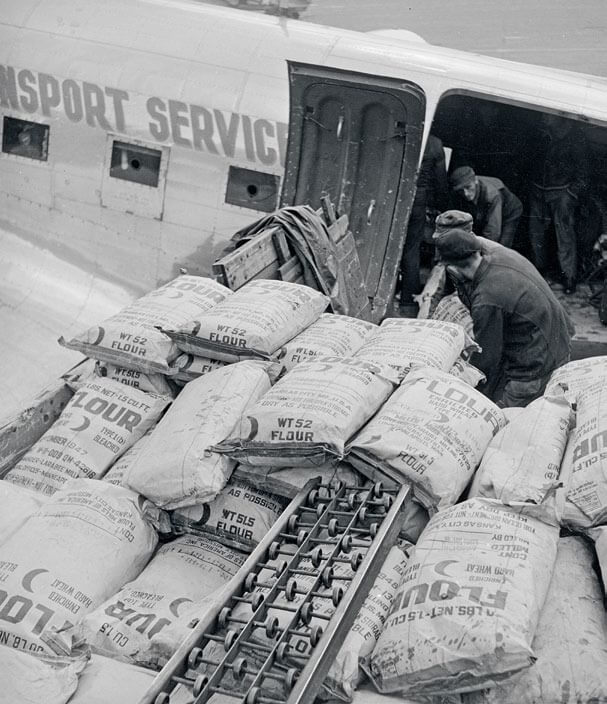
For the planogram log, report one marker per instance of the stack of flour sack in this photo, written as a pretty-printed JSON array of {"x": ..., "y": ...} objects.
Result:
[{"x": 200, "y": 412}]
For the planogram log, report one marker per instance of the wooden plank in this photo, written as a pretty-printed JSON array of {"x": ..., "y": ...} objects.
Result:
[
  {"x": 283, "y": 251},
  {"x": 328, "y": 209},
  {"x": 295, "y": 277},
  {"x": 291, "y": 270},
  {"x": 270, "y": 272},
  {"x": 338, "y": 229},
  {"x": 351, "y": 278},
  {"x": 288, "y": 265},
  {"x": 21, "y": 430},
  {"x": 248, "y": 261}
]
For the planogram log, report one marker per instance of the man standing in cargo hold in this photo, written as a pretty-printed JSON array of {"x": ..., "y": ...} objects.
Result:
[
  {"x": 559, "y": 176},
  {"x": 496, "y": 210},
  {"x": 523, "y": 330}
]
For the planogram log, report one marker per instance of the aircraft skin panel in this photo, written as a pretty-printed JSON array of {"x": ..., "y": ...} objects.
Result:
[
  {"x": 112, "y": 247},
  {"x": 188, "y": 189},
  {"x": 27, "y": 180},
  {"x": 195, "y": 186},
  {"x": 440, "y": 70}
]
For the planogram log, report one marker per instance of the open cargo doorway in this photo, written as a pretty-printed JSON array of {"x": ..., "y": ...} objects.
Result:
[
  {"x": 499, "y": 139},
  {"x": 356, "y": 138}
]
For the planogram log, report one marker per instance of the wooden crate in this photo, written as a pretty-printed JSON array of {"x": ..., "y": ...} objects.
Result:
[
  {"x": 266, "y": 256},
  {"x": 269, "y": 256}
]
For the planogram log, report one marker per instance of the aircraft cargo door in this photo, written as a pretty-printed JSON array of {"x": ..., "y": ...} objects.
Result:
[{"x": 356, "y": 138}]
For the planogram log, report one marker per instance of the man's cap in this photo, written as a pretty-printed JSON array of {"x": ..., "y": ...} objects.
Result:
[
  {"x": 456, "y": 245},
  {"x": 450, "y": 220},
  {"x": 461, "y": 177}
]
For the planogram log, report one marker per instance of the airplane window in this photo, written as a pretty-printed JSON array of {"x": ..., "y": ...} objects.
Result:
[
  {"x": 24, "y": 138},
  {"x": 132, "y": 162},
  {"x": 252, "y": 189}
]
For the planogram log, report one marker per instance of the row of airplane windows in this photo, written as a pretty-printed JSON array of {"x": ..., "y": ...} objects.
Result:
[{"x": 139, "y": 164}]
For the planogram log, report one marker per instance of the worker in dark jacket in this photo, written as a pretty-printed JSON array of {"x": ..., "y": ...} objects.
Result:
[
  {"x": 523, "y": 330},
  {"x": 432, "y": 189},
  {"x": 496, "y": 210},
  {"x": 559, "y": 177}
]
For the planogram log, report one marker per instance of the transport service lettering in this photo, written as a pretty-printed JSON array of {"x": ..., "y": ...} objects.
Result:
[{"x": 211, "y": 130}]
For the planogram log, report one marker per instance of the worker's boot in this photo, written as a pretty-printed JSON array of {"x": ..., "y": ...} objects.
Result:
[{"x": 569, "y": 285}]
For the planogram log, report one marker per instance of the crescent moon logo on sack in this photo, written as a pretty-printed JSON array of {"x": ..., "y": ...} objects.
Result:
[
  {"x": 206, "y": 514},
  {"x": 441, "y": 567},
  {"x": 254, "y": 428},
  {"x": 28, "y": 578},
  {"x": 176, "y": 603},
  {"x": 100, "y": 336},
  {"x": 188, "y": 362},
  {"x": 441, "y": 418},
  {"x": 85, "y": 424}
]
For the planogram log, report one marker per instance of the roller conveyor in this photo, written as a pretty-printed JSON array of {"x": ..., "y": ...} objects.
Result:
[{"x": 276, "y": 628}]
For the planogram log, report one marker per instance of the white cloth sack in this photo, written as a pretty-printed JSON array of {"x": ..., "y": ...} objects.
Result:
[
  {"x": 466, "y": 611},
  {"x": 107, "y": 681},
  {"x": 164, "y": 644},
  {"x": 254, "y": 322},
  {"x": 432, "y": 432},
  {"x": 150, "y": 383},
  {"x": 511, "y": 413},
  {"x": 93, "y": 370},
  {"x": 467, "y": 372},
  {"x": 570, "y": 642},
  {"x": 344, "y": 675},
  {"x": 402, "y": 343},
  {"x": 522, "y": 465},
  {"x": 452, "y": 310},
  {"x": 16, "y": 506},
  {"x": 309, "y": 415},
  {"x": 573, "y": 518},
  {"x": 240, "y": 516},
  {"x": 366, "y": 694},
  {"x": 577, "y": 375},
  {"x": 332, "y": 335},
  {"x": 414, "y": 520},
  {"x": 131, "y": 338},
  {"x": 588, "y": 455},
  {"x": 177, "y": 467},
  {"x": 599, "y": 535},
  {"x": 31, "y": 679},
  {"x": 183, "y": 571},
  {"x": 81, "y": 546},
  {"x": 117, "y": 472},
  {"x": 100, "y": 422},
  {"x": 188, "y": 367}
]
